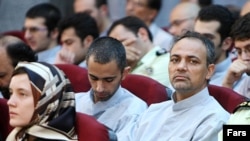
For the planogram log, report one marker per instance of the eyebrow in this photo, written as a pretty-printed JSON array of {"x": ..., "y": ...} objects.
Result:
[
  {"x": 102, "y": 78},
  {"x": 189, "y": 56},
  {"x": 246, "y": 46}
]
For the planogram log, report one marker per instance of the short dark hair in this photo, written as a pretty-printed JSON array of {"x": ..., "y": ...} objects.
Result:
[
  {"x": 20, "y": 52},
  {"x": 107, "y": 49},
  {"x": 154, "y": 4},
  {"x": 17, "y": 50},
  {"x": 218, "y": 13},
  {"x": 131, "y": 23},
  {"x": 207, "y": 43},
  {"x": 241, "y": 28},
  {"x": 83, "y": 24},
  {"x": 204, "y": 3},
  {"x": 99, "y": 3},
  {"x": 49, "y": 12}
]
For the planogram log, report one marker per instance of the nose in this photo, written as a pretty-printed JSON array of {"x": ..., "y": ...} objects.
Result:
[
  {"x": 11, "y": 102},
  {"x": 129, "y": 7},
  {"x": 27, "y": 34},
  {"x": 182, "y": 65},
  {"x": 172, "y": 30},
  {"x": 99, "y": 86},
  {"x": 245, "y": 55}
]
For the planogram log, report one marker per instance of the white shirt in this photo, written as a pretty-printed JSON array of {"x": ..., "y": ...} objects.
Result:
[
  {"x": 49, "y": 55},
  {"x": 220, "y": 72},
  {"x": 160, "y": 37},
  {"x": 197, "y": 118},
  {"x": 119, "y": 112},
  {"x": 245, "y": 87}
]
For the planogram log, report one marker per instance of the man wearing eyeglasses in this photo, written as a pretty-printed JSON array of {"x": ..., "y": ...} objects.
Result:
[
  {"x": 40, "y": 31},
  {"x": 182, "y": 18},
  {"x": 147, "y": 10}
]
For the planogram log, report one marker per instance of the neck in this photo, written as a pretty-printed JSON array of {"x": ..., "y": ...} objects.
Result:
[
  {"x": 52, "y": 44},
  {"x": 105, "y": 25}
]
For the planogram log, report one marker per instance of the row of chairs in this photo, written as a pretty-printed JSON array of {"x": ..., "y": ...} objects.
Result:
[
  {"x": 145, "y": 88},
  {"x": 87, "y": 127},
  {"x": 149, "y": 90}
]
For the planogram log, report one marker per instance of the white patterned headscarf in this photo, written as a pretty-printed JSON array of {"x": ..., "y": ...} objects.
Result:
[{"x": 55, "y": 108}]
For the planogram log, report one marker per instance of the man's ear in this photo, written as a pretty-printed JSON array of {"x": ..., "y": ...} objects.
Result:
[
  {"x": 87, "y": 41},
  {"x": 104, "y": 10},
  {"x": 126, "y": 71},
  {"x": 143, "y": 34},
  {"x": 54, "y": 34},
  {"x": 227, "y": 43},
  {"x": 210, "y": 73}
]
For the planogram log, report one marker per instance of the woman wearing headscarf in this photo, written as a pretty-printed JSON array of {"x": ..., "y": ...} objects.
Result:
[{"x": 42, "y": 104}]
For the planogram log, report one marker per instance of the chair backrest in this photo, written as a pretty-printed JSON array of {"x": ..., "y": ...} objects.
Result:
[
  {"x": 148, "y": 89},
  {"x": 77, "y": 75},
  {"x": 89, "y": 129},
  {"x": 5, "y": 127},
  {"x": 17, "y": 33},
  {"x": 228, "y": 98}
]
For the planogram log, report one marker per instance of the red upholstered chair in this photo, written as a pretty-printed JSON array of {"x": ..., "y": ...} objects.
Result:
[
  {"x": 144, "y": 87},
  {"x": 89, "y": 129},
  {"x": 148, "y": 89},
  {"x": 77, "y": 75},
  {"x": 228, "y": 98},
  {"x": 17, "y": 33},
  {"x": 5, "y": 128}
]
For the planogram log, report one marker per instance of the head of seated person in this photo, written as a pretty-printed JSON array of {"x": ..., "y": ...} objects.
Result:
[
  {"x": 41, "y": 100},
  {"x": 12, "y": 50}
]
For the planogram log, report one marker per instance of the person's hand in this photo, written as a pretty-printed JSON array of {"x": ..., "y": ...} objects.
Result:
[
  {"x": 64, "y": 57},
  {"x": 132, "y": 53},
  {"x": 234, "y": 73}
]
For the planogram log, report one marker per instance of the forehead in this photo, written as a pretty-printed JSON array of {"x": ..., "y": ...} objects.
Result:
[
  {"x": 179, "y": 12},
  {"x": 120, "y": 32},
  {"x": 242, "y": 44},
  {"x": 189, "y": 47},
  {"x": 20, "y": 78},
  {"x": 84, "y": 5},
  {"x": 206, "y": 26},
  {"x": 102, "y": 70},
  {"x": 5, "y": 62},
  {"x": 39, "y": 21},
  {"x": 20, "y": 82},
  {"x": 69, "y": 33}
]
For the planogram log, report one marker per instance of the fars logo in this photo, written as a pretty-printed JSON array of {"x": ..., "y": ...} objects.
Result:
[{"x": 236, "y": 132}]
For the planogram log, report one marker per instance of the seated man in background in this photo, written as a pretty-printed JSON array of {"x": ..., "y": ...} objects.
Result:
[
  {"x": 147, "y": 11},
  {"x": 12, "y": 50},
  {"x": 76, "y": 33},
  {"x": 190, "y": 115},
  {"x": 182, "y": 18},
  {"x": 143, "y": 56},
  {"x": 215, "y": 22},
  {"x": 238, "y": 74},
  {"x": 40, "y": 31},
  {"x": 107, "y": 101}
]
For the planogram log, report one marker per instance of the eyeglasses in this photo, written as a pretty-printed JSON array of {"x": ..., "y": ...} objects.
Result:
[
  {"x": 179, "y": 22},
  {"x": 34, "y": 29}
]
